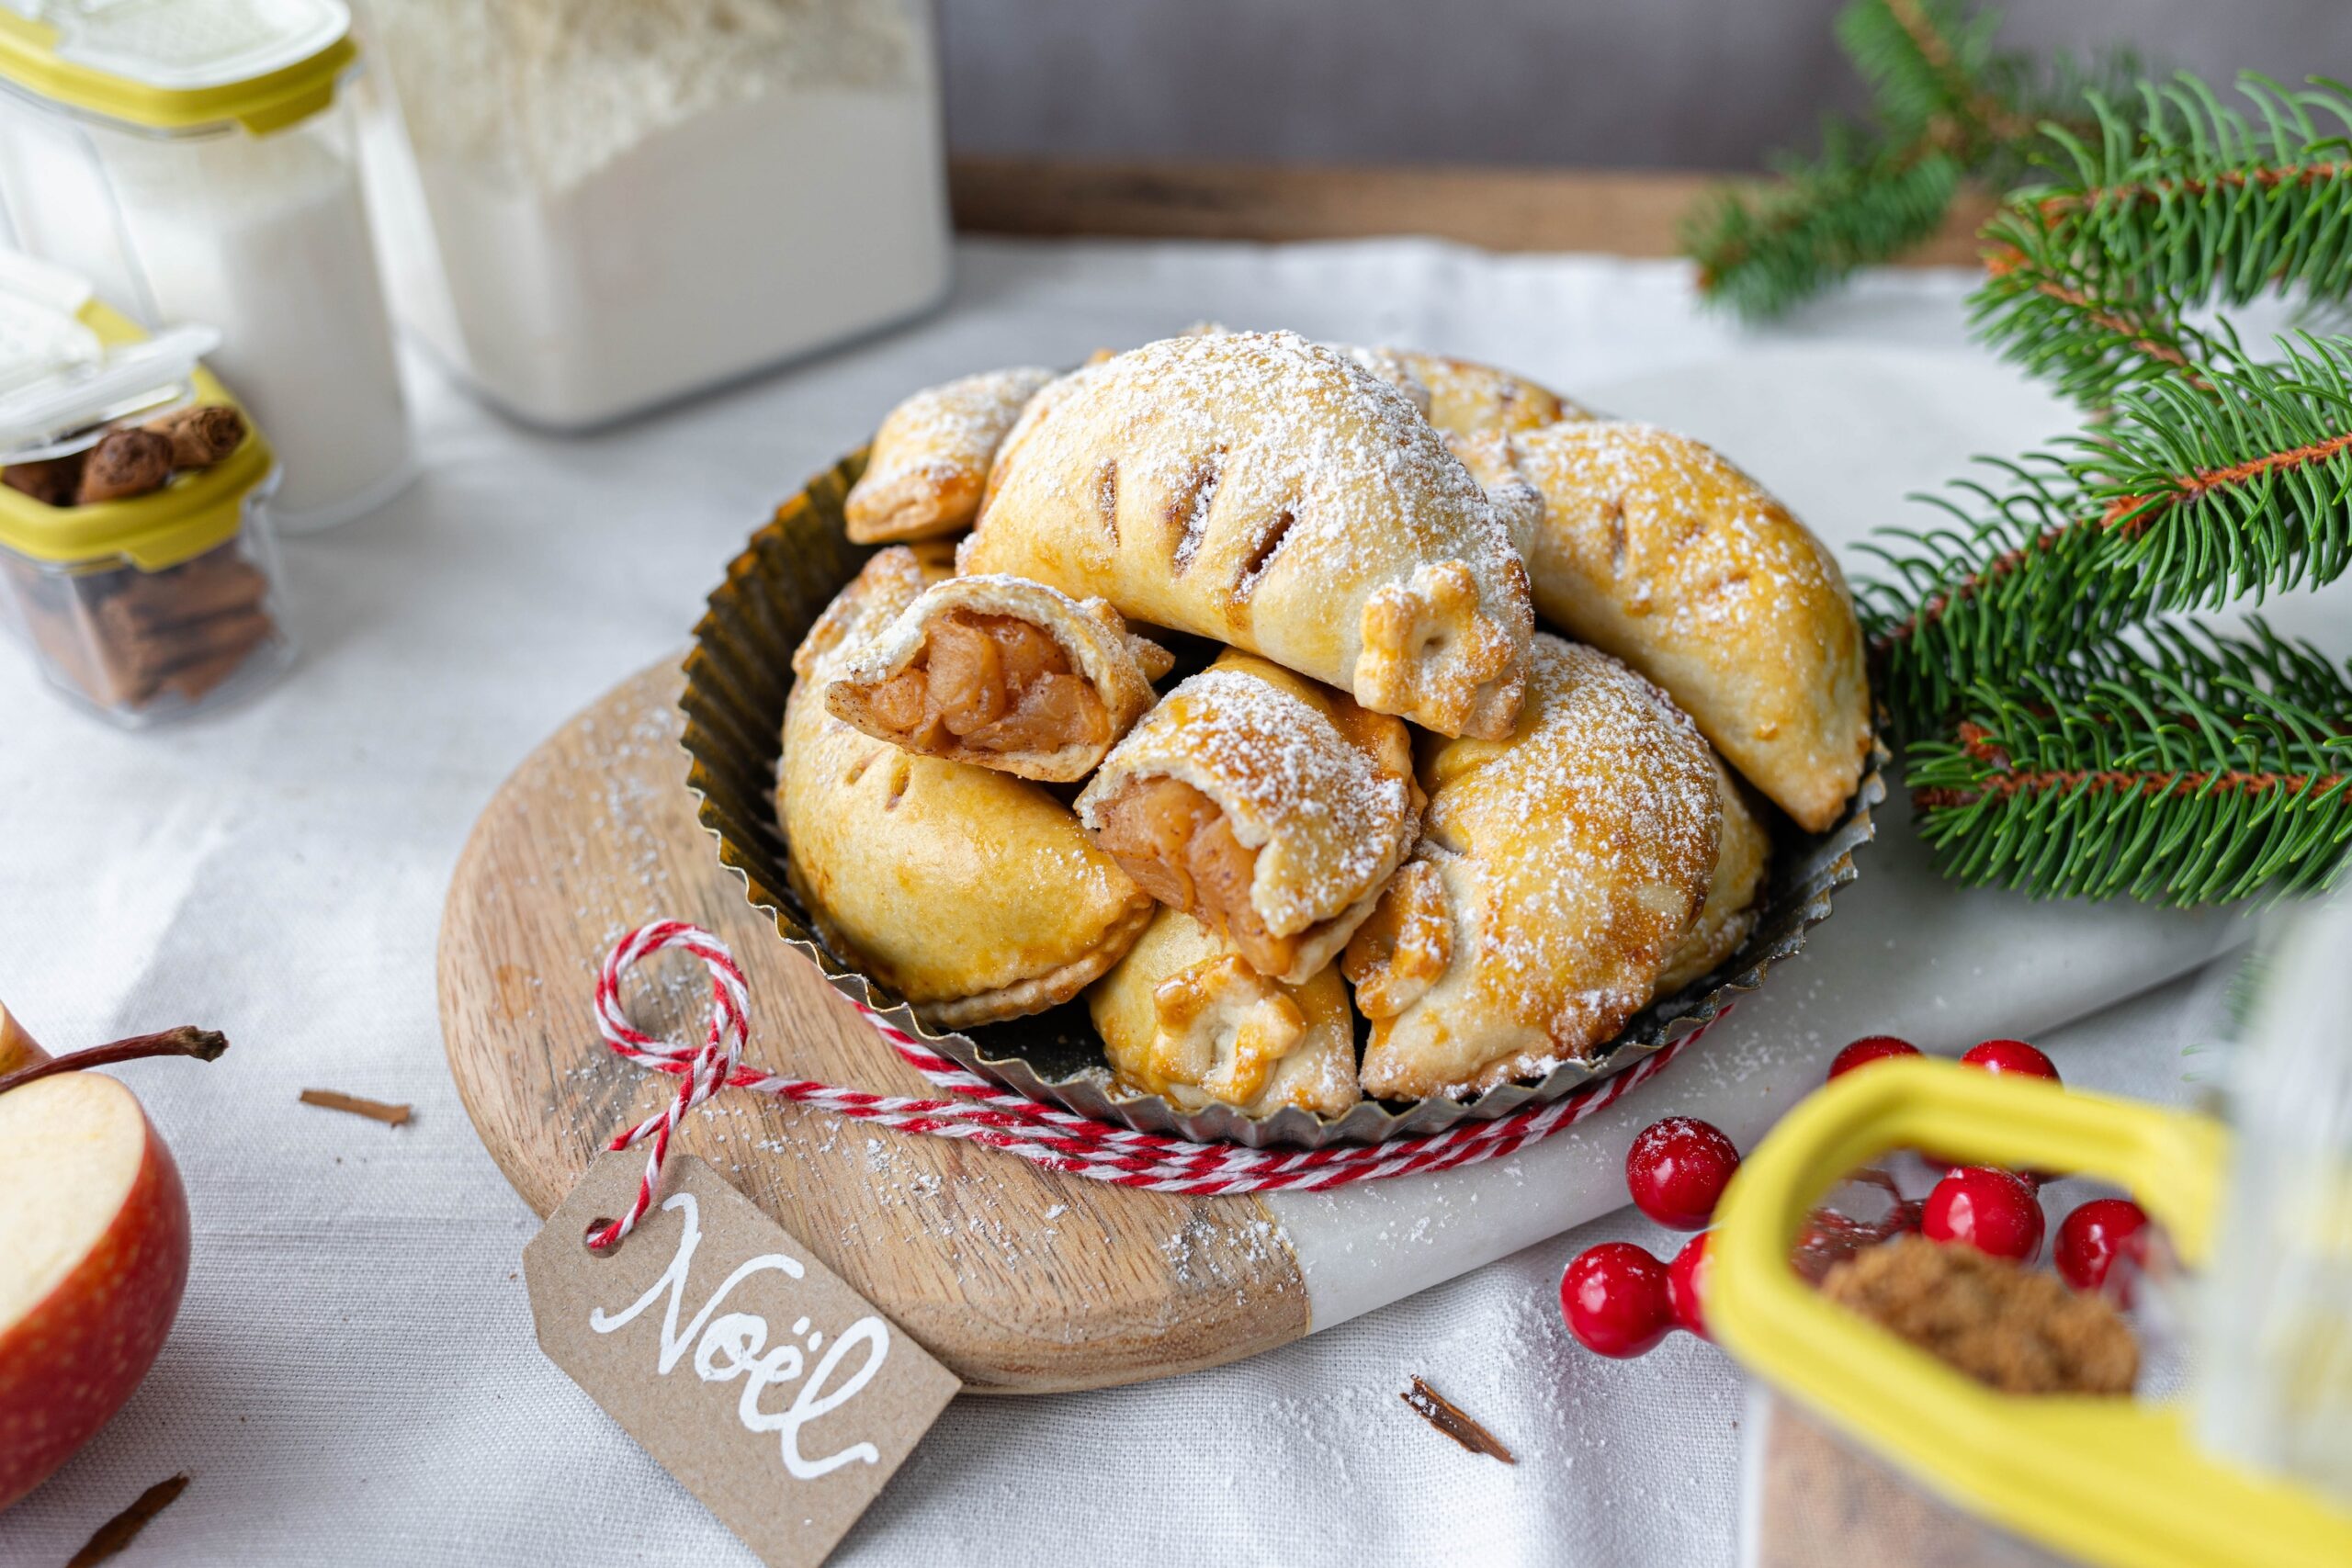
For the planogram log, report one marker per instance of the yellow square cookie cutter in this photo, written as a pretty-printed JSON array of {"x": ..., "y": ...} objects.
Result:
[{"x": 2115, "y": 1482}]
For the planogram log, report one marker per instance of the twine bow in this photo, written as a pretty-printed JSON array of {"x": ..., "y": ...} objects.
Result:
[{"x": 988, "y": 1113}]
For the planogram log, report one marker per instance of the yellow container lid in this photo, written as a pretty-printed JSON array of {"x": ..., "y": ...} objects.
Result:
[
  {"x": 2117, "y": 1482},
  {"x": 179, "y": 66},
  {"x": 195, "y": 512}
]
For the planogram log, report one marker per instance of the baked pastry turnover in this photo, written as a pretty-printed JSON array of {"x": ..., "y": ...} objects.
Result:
[
  {"x": 931, "y": 458},
  {"x": 1267, "y": 808},
  {"x": 1273, "y": 494},
  {"x": 1003, "y": 673},
  {"x": 1654, "y": 549},
  {"x": 1557, "y": 871},
  {"x": 972, "y": 894},
  {"x": 1464, "y": 398},
  {"x": 1742, "y": 857},
  {"x": 1181, "y": 1015}
]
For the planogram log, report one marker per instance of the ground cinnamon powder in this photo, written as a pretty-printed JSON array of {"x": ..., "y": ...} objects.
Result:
[
  {"x": 2016, "y": 1330},
  {"x": 1825, "y": 1503}
]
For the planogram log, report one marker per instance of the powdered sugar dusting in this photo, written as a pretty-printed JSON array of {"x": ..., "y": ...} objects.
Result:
[
  {"x": 1611, "y": 754},
  {"x": 1575, "y": 856},
  {"x": 955, "y": 427},
  {"x": 1282, "y": 424},
  {"x": 1695, "y": 504}
]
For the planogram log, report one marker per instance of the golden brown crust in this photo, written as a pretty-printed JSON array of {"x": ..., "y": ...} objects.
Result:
[
  {"x": 972, "y": 894},
  {"x": 1317, "y": 793},
  {"x": 1269, "y": 493},
  {"x": 1404, "y": 949},
  {"x": 1465, "y": 397},
  {"x": 1655, "y": 549},
  {"x": 1564, "y": 863},
  {"x": 931, "y": 458},
  {"x": 1096, "y": 646},
  {"x": 1183, "y": 1016},
  {"x": 890, "y": 580},
  {"x": 1743, "y": 855}
]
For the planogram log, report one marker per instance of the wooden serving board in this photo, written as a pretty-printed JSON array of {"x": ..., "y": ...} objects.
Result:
[{"x": 1019, "y": 1278}]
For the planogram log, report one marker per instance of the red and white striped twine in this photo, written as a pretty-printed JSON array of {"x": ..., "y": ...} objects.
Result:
[{"x": 988, "y": 1113}]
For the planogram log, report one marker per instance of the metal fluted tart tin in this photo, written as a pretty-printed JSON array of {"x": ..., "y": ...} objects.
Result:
[{"x": 738, "y": 675}]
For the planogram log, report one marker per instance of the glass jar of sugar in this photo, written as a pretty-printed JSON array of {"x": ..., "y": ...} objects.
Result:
[
  {"x": 591, "y": 206},
  {"x": 196, "y": 159}
]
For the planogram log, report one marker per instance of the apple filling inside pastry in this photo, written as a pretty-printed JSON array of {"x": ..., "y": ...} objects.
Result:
[
  {"x": 996, "y": 683},
  {"x": 1175, "y": 842}
]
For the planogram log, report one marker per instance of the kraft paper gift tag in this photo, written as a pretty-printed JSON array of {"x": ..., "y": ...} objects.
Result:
[{"x": 775, "y": 1394}]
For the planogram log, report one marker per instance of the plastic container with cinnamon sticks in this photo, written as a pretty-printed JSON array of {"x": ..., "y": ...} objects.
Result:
[{"x": 136, "y": 557}]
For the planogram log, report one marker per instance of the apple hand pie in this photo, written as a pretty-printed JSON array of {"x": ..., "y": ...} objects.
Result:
[
  {"x": 1181, "y": 1015},
  {"x": 1462, "y": 397},
  {"x": 1729, "y": 913},
  {"x": 1557, "y": 871},
  {"x": 972, "y": 894},
  {"x": 1655, "y": 549},
  {"x": 1267, "y": 808},
  {"x": 1273, "y": 494},
  {"x": 1002, "y": 674},
  {"x": 931, "y": 458}
]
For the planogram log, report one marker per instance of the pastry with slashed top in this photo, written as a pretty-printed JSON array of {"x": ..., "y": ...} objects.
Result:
[
  {"x": 1558, "y": 870},
  {"x": 1268, "y": 807},
  {"x": 930, "y": 460},
  {"x": 1001, "y": 672},
  {"x": 1184, "y": 1016},
  {"x": 1273, "y": 494},
  {"x": 1650, "y": 546},
  {"x": 974, "y": 894}
]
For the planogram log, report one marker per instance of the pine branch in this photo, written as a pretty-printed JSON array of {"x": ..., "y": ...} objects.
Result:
[
  {"x": 1863, "y": 200},
  {"x": 1947, "y": 107},
  {"x": 2180, "y": 203},
  {"x": 2189, "y": 768},
  {"x": 1933, "y": 70},
  {"x": 2194, "y": 494}
]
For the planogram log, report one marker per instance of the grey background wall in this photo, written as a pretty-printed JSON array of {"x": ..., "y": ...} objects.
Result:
[{"x": 1692, "y": 83}]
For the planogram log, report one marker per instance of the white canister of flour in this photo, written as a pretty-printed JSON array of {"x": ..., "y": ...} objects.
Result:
[
  {"x": 196, "y": 161},
  {"x": 592, "y": 207}
]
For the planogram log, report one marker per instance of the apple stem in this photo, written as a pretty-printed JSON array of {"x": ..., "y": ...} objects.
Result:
[{"x": 204, "y": 1044}]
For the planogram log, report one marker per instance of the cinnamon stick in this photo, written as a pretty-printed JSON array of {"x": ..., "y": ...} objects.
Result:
[
  {"x": 375, "y": 1109},
  {"x": 123, "y": 464},
  {"x": 52, "y": 481},
  {"x": 121, "y": 1531},
  {"x": 1448, "y": 1417},
  {"x": 201, "y": 436}
]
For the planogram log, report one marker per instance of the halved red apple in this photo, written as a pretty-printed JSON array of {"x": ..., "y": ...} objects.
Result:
[
  {"x": 94, "y": 1255},
  {"x": 17, "y": 1049}
]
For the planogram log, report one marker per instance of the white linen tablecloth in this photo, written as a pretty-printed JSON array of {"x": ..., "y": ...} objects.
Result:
[{"x": 353, "y": 1378}]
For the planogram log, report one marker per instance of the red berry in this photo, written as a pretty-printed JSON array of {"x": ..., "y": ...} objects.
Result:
[
  {"x": 1677, "y": 1170},
  {"x": 2092, "y": 1237},
  {"x": 1867, "y": 1049},
  {"x": 1615, "y": 1297},
  {"x": 1686, "y": 1285},
  {"x": 1998, "y": 1056},
  {"x": 1988, "y": 1208},
  {"x": 2003, "y": 1057}
]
